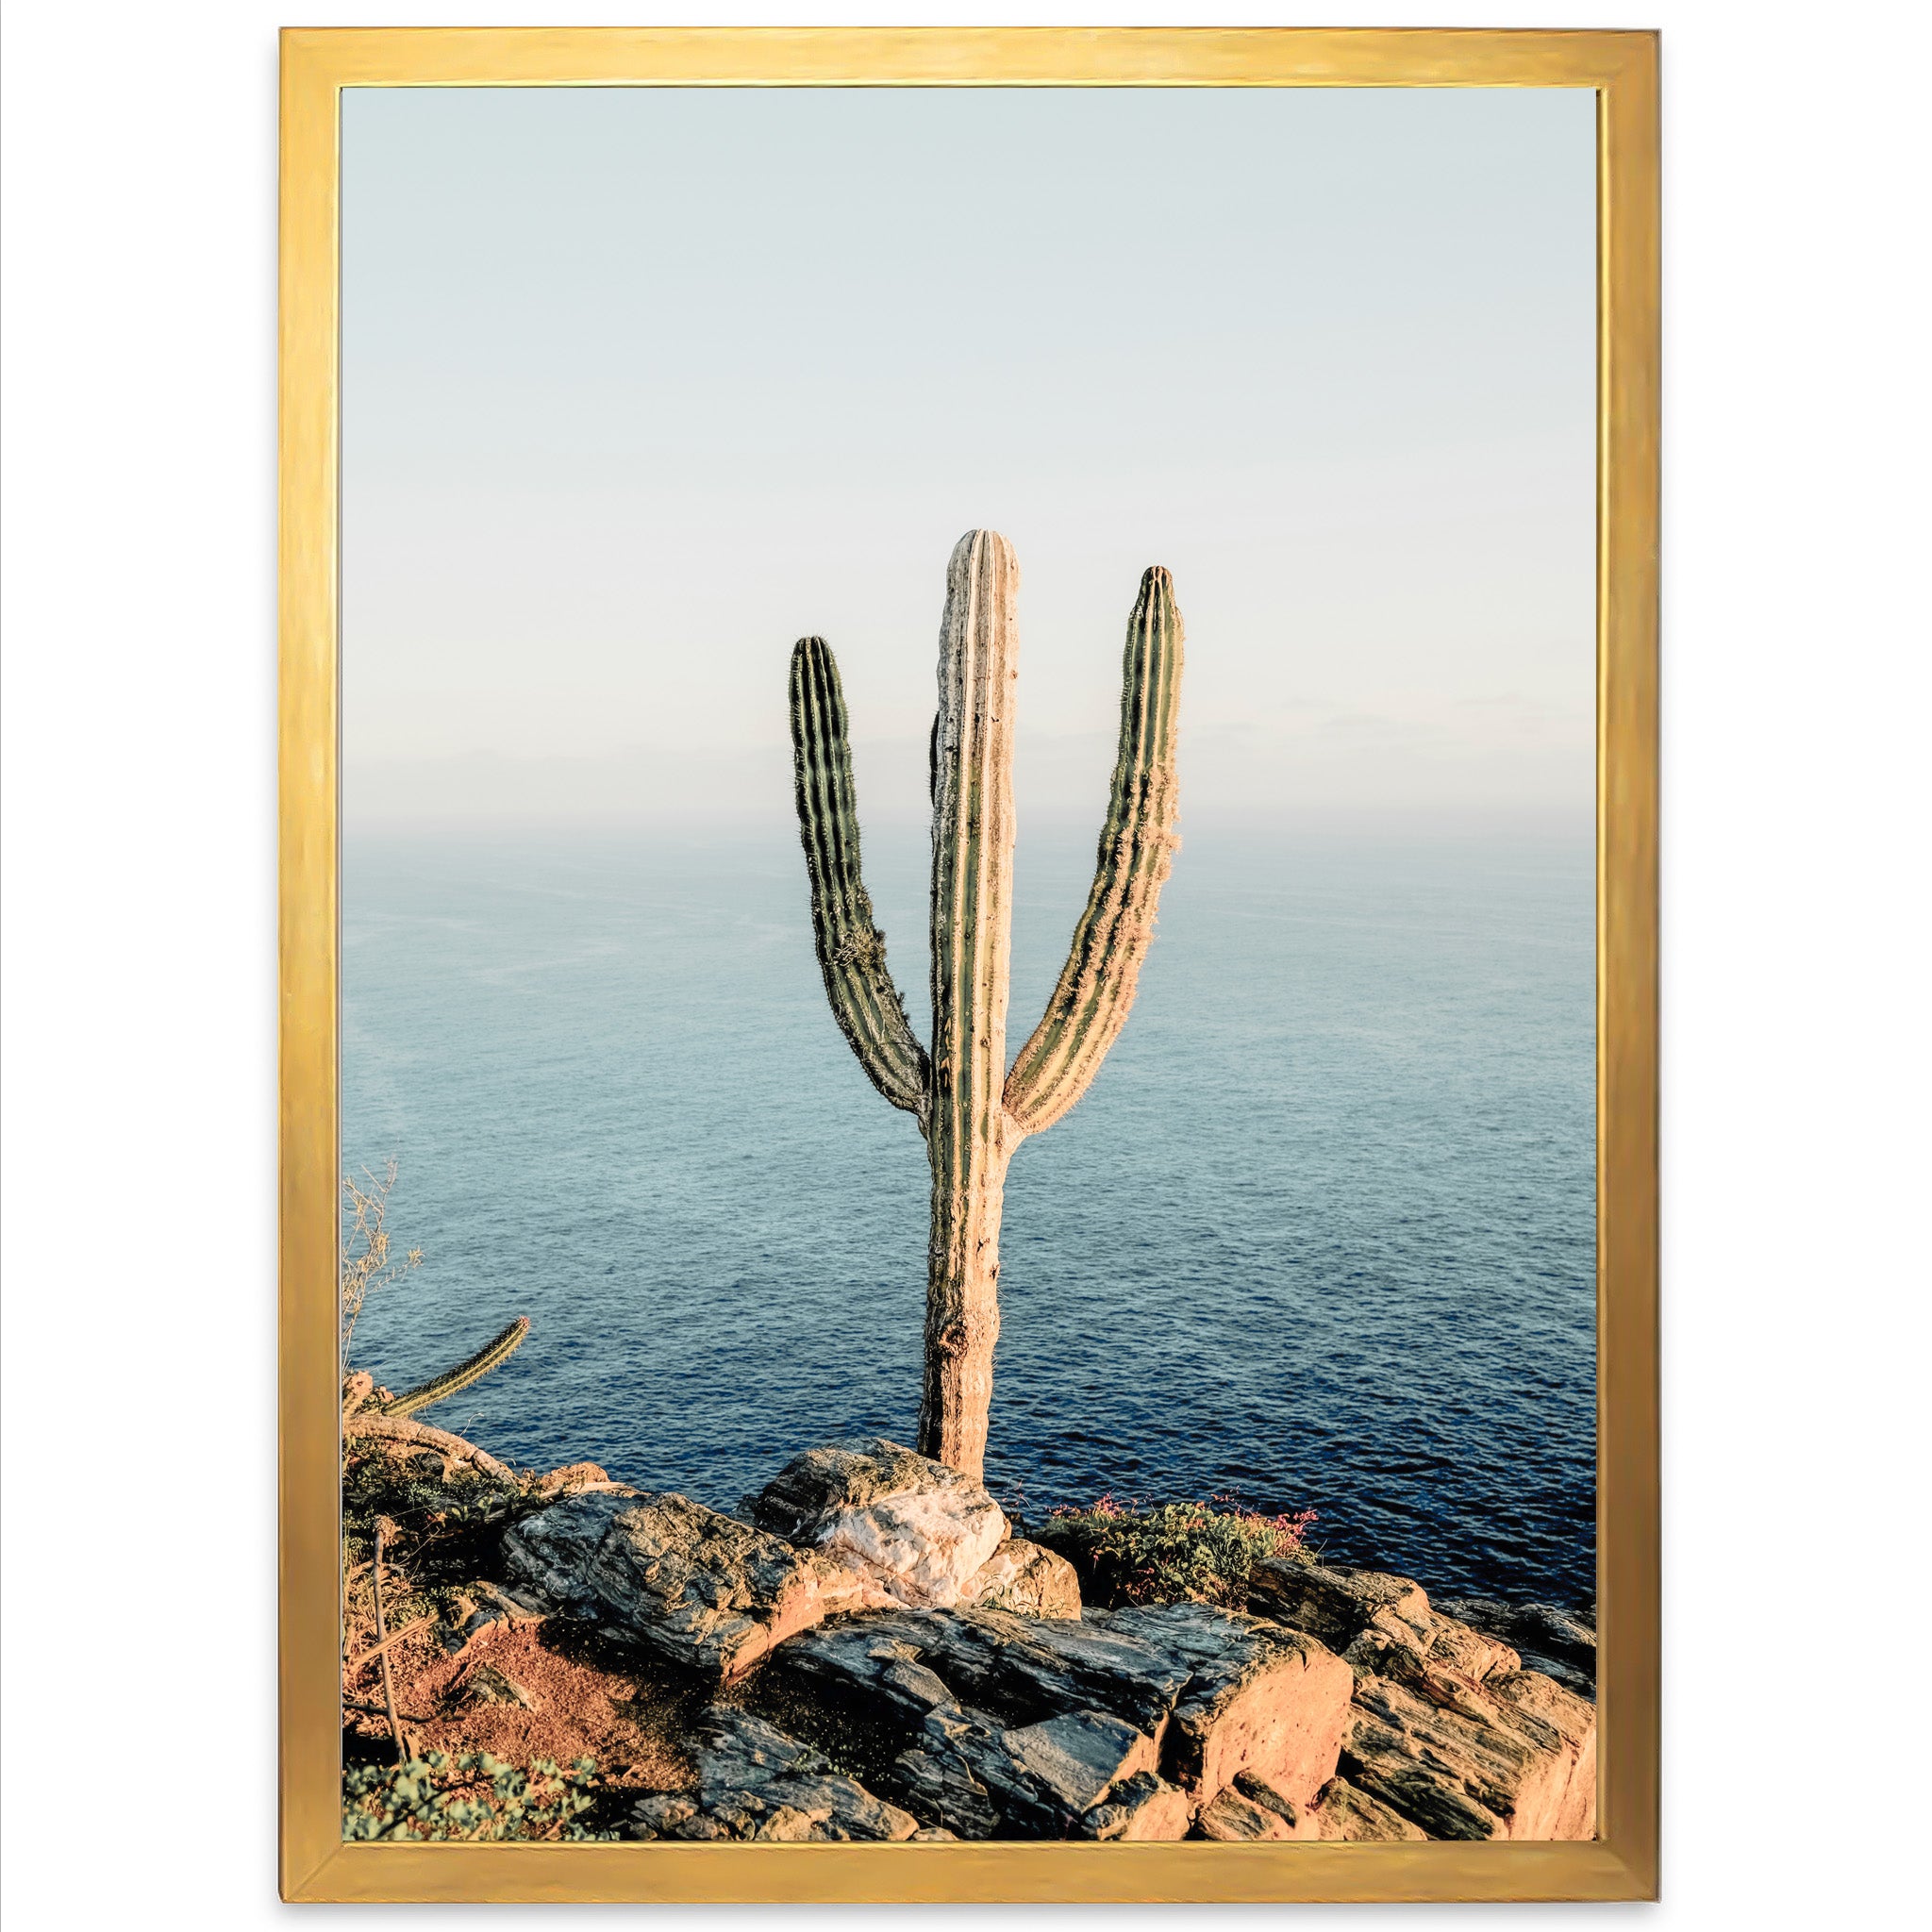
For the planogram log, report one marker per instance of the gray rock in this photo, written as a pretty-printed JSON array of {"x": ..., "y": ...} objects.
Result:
[
  {"x": 875, "y": 1664},
  {"x": 1080, "y": 1756},
  {"x": 1336, "y": 1604},
  {"x": 699, "y": 1589},
  {"x": 1026, "y": 1579},
  {"x": 756, "y": 1783},
  {"x": 1022, "y": 1670},
  {"x": 914, "y": 1528},
  {"x": 981, "y": 1780},
  {"x": 1557, "y": 1642},
  {"x": 1023, "y": 1725}
]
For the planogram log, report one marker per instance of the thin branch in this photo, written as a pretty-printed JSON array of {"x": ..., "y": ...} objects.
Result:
[
  {"x": 377, "y": 1650},
  {"x": 389, "y": 1691}
]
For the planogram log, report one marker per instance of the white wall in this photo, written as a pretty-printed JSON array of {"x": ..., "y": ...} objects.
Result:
[{"x": 139, "y": 962}]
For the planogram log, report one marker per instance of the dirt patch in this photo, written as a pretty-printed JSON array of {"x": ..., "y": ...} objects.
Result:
[{"x": 627, "y": 1716}]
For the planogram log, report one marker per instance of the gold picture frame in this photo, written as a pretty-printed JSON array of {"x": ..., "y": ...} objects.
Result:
[{"x": 1622, "y": 69}]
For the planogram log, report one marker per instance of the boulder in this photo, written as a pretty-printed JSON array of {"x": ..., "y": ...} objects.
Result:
[
  {"x": 700, "y": 1590},
  {"x": 1258, "y": 1698},
  {"x": 1023, "y": 1725},
  {"x": 1021, "y": 1669},
  {"x": 1026, "y": 1579},
  {"x": 1512, "y": 1758},
  {"x": 918, "y": 1531},
  {"x": 1251, "y": 1810},
  {"x": 1353, "y": 1817},
  {"x": 754, "y": 1782}
]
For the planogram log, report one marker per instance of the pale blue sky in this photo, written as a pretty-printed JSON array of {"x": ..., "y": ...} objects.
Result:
[{"x": 640, "y": 385}]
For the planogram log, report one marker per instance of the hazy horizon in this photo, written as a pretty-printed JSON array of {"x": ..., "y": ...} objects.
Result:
[{"x": 641, "y": 385}]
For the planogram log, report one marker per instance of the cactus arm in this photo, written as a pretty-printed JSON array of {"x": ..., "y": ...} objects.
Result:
[
  {"x": 967, "y": 1137},
  {"x": 851, "y": 948},
  {"x": 1096, "y": 988},
  {"x": 494, "y": 1353}
]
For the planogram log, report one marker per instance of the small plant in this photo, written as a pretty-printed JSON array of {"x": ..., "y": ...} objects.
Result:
[
  {"x": 367, "y": 1261},
  {"x": 1171, "y": 1553},
  {"x": 476, "y": 1796}
]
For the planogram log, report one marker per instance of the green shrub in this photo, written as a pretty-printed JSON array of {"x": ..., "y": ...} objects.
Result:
[
  {"x": 1172, "y": 1553},
  {"x": 476, "y": 1796}
]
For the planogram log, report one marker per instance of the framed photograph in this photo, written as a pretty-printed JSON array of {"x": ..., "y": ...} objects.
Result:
[{"x": 969, "y": 937}]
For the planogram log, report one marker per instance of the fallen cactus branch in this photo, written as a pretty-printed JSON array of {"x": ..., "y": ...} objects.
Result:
[
  {"x": 493, "y": 1355},
  {"x": 395, "y": 1428}
]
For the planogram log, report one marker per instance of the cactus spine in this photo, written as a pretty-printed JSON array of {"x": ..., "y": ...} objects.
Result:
[
  {"x": 973, "y": 1113},
  {"x": 493, "y": 1355}
]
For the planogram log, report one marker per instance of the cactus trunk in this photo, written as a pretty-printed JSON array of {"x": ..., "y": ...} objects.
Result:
[
  {"x": 972, "y": 934},
  {"x": 972, "y": 1110}
]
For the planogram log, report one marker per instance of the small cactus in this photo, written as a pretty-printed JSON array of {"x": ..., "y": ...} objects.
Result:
[
  {"x": 972, "y": 1111},
  {"x": 493, "y": 1355}
]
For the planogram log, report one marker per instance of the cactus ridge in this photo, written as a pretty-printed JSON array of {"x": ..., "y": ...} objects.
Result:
[
  {"x": 1096, "y": 987},
  {"x": 851, "y": 948},
  {"x": 494, "y": 1353}
]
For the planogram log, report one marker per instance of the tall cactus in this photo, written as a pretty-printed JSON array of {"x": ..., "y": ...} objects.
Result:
[{"x": 970, "y": 1109}]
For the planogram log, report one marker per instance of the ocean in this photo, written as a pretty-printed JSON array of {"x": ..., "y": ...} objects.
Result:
[{"x": 1321, "y": 1235}]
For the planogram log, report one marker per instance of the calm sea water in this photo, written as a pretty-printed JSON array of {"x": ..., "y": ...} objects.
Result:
[{"x": 1321, "y": 1235}]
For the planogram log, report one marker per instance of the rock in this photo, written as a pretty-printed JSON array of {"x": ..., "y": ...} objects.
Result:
[
  {"x": 1017, "y": 1726},
  {"x": 933, "y": 1835},
  {"x": 1382, "y": 1625},
  {"x": 982, "y": 1780},
  {"x": 1026, "y": 1579},
  {"x": 572, "y": 1476},
  {"x": 1258, "y": 1697},
  {"x": 1343, "y": 1813},
  {"x": 700, "y": 1590},
  {"x": 918, "y": 1530},
  {"x": 869, "y": 1663},
  {"x": 937, "y": 1780},
  {"x": 1557, "y": 1644},
  {"x": 1535, "y": 1697},
  {"x": 1454, "y": 1646},
  {"x": 1251, "y": 1810},
  {"x": 756, "y": 1783},
  {"x": 1144, "y": 1808},
  {"x": 1023, "y": 1670},
  {"x": 485, "y": 1684},
  {"x": 498, "y": 1610},
  {"x": 1080, "y": 1756},
  {"x": 1513, "y": 1759},
  {"x": 1338, "y": 1606}
]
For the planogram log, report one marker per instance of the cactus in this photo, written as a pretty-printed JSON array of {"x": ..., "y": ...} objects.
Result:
[
  {"x": 974, "y": 1113},
  {"x": 493, "y": 1355}
]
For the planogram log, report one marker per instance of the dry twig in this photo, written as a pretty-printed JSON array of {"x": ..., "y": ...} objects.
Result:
[{"x": 388, "y": 1692}]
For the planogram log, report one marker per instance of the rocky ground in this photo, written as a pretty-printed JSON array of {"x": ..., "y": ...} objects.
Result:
[{"x": 864, "y": 1651}]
